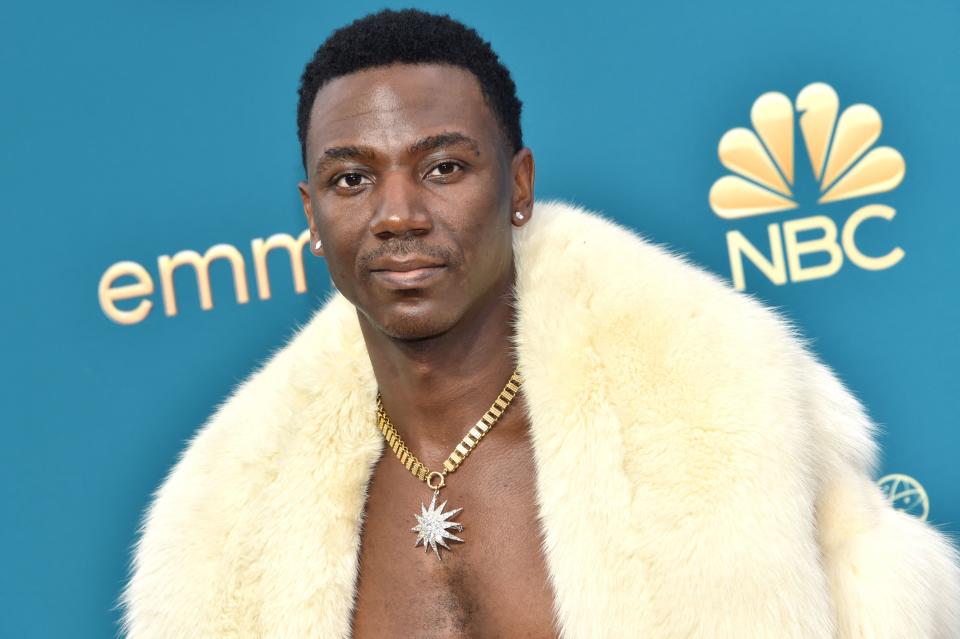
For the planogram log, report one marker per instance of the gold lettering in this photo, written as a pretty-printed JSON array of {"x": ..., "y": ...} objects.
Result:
[
  {"x": 848, "y": 239},
  {"x": 108, "y": 293},
  {"x": 293, "y": 247},
  {"x": 201, "y": 264},
  {"x": 826, "y": 244},
  {"x": 775, "y": 269}
]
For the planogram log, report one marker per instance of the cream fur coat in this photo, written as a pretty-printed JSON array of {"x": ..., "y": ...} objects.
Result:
[{"x": 699, "y": 472}]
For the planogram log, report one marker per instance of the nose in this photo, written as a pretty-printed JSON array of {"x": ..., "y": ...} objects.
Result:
[{"x": 400, "y": 211}]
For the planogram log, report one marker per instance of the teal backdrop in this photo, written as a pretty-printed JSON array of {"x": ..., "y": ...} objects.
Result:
[{"x": 132, "y": 130}]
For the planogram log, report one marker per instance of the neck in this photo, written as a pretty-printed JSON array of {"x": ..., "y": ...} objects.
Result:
[{"x": 436, "y": 389}]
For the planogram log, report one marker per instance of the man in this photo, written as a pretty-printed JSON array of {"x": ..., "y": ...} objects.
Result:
[{"x": 517, "y": 420}]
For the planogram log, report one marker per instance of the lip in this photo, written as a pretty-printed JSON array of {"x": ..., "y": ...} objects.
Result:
[
  {"x": 415, "y": 277},
  {"x": 409, "y": 263}
]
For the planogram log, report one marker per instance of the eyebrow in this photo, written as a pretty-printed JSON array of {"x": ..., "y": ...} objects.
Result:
[
  {"x": 443, "y": 140},
  {"x": 335, "y": 153},
  {"x": 423, "y": 145}
]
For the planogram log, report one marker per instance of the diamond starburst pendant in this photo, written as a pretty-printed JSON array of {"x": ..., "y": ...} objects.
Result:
[{"x": 432, "y": 526}]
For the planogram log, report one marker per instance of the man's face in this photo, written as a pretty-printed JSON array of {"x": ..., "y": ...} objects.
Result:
[{"x": 412, "y": 190}]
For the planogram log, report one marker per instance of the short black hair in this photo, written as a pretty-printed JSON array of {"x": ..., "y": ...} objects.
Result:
[{"x": 414, "y": 37}]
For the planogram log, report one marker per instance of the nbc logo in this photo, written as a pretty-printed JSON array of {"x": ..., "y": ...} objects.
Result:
[{"x": 845, "y": 165}]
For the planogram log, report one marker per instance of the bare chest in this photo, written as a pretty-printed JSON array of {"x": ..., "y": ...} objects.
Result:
[{"x": 494, "y": 584}]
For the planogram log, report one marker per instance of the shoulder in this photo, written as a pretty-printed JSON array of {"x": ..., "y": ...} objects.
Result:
[
  {"x": 677, "y": 350},
  {"x": 648, "y": 312},
  {"x": 232, "y": 451},
  {"x": 177, "y": 562}
]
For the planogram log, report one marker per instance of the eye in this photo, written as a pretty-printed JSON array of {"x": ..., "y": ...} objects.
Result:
[
  {"x": 445, "y": 168},
  {"x": 349, "y": 180}
]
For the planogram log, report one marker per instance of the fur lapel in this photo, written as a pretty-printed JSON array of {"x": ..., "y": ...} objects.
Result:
[
  {"x": 679, "y": 451},
  {"x": 674, "y": 483}
]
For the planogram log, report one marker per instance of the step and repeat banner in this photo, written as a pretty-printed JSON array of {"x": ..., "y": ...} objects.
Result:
[{"x": 155, "y": 247}]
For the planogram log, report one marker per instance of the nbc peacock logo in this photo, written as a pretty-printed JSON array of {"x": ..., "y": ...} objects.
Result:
[{"x": 844, "y": 164}]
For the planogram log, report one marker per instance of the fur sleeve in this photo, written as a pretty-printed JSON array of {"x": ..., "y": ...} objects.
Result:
[
  {"x": 170, "y": 593},
  {"x": 892, "y": 575},
  {"x": 180, "y": 584}
]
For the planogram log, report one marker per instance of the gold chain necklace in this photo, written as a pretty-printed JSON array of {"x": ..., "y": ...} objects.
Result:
[{"x": 433, "y": 523}]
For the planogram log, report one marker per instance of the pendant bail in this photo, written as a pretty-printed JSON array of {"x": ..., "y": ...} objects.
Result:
[{"x": 440, "y": 485}]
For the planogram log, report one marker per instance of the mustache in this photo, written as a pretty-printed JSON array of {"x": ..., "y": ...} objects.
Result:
[{"x": 412, "y": 246}]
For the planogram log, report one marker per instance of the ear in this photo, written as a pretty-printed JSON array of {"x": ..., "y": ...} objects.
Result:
[
  {"x": 522, "y": 168},
  {"x": 315, "y": 247}
]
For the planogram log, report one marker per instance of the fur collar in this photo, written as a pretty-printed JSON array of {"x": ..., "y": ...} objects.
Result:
[{"x": 700, "y": 474}]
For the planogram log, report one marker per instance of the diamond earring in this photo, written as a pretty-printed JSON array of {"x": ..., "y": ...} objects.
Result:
[
  {"x": 318, "y": 245},
  {"x": 518, "y": 215}
]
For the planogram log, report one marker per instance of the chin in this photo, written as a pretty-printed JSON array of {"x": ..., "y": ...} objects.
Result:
[
  {"x": 411, "y": 321},
  {"x": 415, "y": 327}
]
